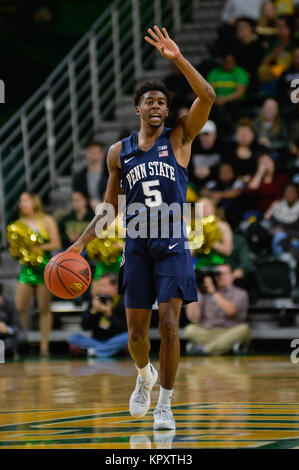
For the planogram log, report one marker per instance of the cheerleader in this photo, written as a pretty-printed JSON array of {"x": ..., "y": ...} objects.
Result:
[{"x": 31, "y": 279}]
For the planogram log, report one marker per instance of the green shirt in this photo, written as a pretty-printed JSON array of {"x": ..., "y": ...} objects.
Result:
[
  {"x": 240, "y": 257},
  {"x": 225, "y": 82}
]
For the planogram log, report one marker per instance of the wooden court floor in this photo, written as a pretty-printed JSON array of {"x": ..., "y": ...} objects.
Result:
[{"x": 225, "y": 402}]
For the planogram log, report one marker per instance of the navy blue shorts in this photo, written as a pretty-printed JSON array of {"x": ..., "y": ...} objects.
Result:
[{"x": 156, "y": 269}]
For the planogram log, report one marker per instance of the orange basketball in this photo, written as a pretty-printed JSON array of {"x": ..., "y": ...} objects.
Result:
[{"x": 67, "y": 275}]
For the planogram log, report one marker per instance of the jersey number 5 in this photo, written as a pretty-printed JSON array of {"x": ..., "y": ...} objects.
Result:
[{"x": 155, "y": 198}]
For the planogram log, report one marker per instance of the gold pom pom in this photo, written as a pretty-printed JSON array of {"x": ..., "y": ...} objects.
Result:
[
  {"x": 211, "y": 234},
  {"x": 108, "y": 248},
  {"x": 24, "y": 244}
]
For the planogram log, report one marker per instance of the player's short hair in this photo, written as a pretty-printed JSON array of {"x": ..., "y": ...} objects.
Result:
[{"x": 149, "y": 86}]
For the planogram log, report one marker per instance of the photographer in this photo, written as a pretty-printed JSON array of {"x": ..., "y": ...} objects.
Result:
[
  {"x": 106, "y": 318},
  {"x": 218, "y": 317}
]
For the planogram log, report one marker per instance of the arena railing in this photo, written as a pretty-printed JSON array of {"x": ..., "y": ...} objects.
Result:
[{"x": 41, "y": 140}]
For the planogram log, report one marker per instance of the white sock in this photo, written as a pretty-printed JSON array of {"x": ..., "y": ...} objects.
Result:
[
  {"x": 146, "y": 372},
  {"x": 165, "y": 396}
]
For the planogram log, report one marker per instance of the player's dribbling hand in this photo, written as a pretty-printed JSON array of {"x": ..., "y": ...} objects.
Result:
[
  {"x": 166, "y": 46},
  {"x": 76, "y": 248}
]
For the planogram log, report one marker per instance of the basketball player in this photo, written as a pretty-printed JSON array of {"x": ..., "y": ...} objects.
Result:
[{"x": 150, "y": 168}]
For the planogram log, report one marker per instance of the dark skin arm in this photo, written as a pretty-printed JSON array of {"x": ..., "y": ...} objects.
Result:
[
  {"x": 111, "y": 197},
  {"x": 187, "y": 127}
]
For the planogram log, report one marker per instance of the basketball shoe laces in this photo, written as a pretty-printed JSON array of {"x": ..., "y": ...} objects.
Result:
[
  {"x": 164, "y": 411},
  {"x": 143, "y": 390}
]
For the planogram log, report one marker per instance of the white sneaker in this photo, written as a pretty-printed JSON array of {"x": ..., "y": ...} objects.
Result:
[
  {"x": 141, "y": 397},
  {"x": 163, "y": 417}
]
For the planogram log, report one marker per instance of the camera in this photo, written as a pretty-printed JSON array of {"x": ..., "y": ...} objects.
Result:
[
  {"x": 104, "y": 298},
  {"x": 200, "y": 274}
]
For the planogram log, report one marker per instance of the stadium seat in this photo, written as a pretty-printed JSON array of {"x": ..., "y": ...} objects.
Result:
[{"x": 272, "y": 279}]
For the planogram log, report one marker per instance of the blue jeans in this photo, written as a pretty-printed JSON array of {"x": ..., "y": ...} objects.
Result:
[
  {"x": 277, "y": 249},
  {"x": 103, "y": 348}
]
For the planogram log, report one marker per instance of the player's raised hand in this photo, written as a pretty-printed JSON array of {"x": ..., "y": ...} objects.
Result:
[{"x": 166, "y": 46}]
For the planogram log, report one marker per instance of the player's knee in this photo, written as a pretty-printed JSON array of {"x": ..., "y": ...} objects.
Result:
[
  {"x": 136, "y": 336},
  {"x": 168, "y": 328}
]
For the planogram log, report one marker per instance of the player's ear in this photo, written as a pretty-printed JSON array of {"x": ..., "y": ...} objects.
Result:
[{"x": 137, "y": 110}]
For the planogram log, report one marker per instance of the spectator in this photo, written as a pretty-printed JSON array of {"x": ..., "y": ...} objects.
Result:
[
  {"x": 248, "y": 49},
  {"x": 181, "y": 93},
  {"x": 284, "y": 88},
  {"x": 221, "y": 246},
  {"x": 240, "y": 262},
  {"x": 218, "y": 318},
  {"x": 92, "y": 180},
  {"x": 279, "y": 57},
  {"x": 106, "y": 318},
  {"x": 271, "y": 132},
  {"x": 243, "y": 151},
  {"x": 11, "y": 331},
  {"x": 72, "y": 225},
  {"x": 234, "y": 9},
  {"x": 226, "y": 192},
  {"x": 266, "y": 186},
  {"x": 266, "y": 28},
  {"x": 230, "y": 83},
  {"x": 284, "y": 218},
  {"x": 205, "y": 155}
]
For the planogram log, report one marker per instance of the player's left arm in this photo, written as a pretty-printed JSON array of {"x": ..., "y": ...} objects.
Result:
[
  {"x": 201, "y": 106},
  {"x": 186, "y": 128}
]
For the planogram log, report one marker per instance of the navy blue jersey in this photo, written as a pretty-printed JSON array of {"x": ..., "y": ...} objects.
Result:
[
  {"x": 155, "y": 266},
  {"x": 153, "y": 177}
]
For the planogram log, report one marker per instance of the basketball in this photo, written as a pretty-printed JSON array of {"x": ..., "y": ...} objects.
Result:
[{"x": 67, "y": 275}]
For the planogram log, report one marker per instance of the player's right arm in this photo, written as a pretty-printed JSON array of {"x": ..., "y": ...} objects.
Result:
[{"x": 113, "y": 189}]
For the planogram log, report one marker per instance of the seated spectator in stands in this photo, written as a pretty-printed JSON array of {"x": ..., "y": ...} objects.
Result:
[
  {"x": 234, "y": 9},
  {"x": 284, "y": 88},
  {"x": 218, "y": 236},
  {"x": 230, "y": 83},
  {"x": 248, "y": 49},
  {"x": 11, "y": 331},
  {"x": 240, "y": 262},
  {"x": 92, "y": 180},
  {"x": 266, "y": 27},
  {"x": 205, "y": 156},
  {"x": 242, "y": 153},
  {"x": 279, "y": 57},
  {"x": 271, "y": 131},
  {"x": 284, "y": 218},
  {"x": 182, "y": 95},
  {"x": 72, "y": 225},
  {"x": 218, "y": 317},
  {"x": 106, "y": 318},
  {"x": 266, "y": 186},
  {"x": 226, "y": 192}
]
